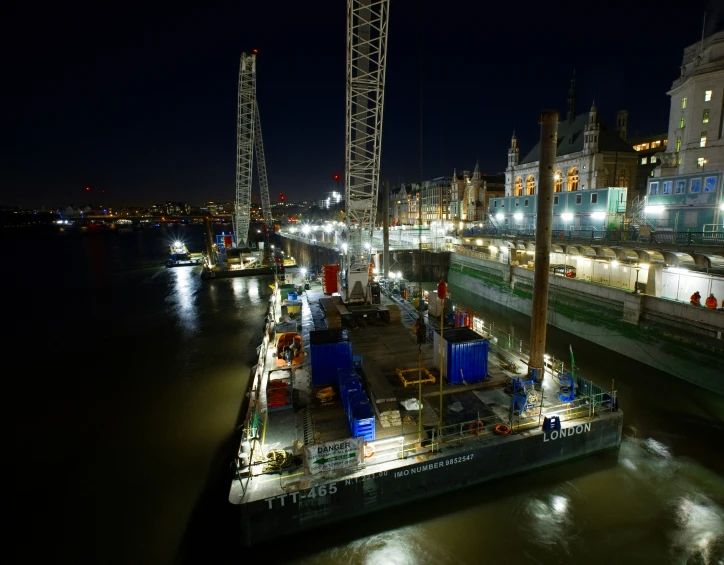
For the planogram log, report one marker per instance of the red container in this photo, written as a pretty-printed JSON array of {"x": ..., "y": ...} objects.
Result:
[{"x": 329, "y": 278}]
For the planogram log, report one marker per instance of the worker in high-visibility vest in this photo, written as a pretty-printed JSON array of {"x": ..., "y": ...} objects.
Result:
[
  {"x": 711, "y": 302},
  {"x": 695, "y": 299}
]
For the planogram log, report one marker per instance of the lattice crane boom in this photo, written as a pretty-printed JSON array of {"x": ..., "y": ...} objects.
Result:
[
  {"x": 246, "y": 120},
  {"x": 261, "y": 170},
  {"x": 367, "y": 23}
]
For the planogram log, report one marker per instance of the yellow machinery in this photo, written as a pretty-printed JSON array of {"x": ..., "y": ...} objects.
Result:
[{"x": 429, "y": 377}]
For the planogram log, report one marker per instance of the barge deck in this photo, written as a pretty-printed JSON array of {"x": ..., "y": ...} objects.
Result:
[{"x": 481, "y": 436}]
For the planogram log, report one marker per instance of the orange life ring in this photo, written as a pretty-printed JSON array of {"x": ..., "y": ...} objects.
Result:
[
  {"x": 476, "y": 427},
  {"x": 369, "y": 450},
  {"x": 502, "y": 429}
]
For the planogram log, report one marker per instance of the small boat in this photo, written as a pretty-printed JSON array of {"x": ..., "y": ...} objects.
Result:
[
  {"x": 183, "y": 260},
  {"x": 290, "y": 349}
]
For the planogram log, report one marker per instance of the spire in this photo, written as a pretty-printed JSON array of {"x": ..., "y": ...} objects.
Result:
[
  {"x": 477, "y": 168},
  {"x": 513, "y": 141},
  {"x": 572, "y": 100}
]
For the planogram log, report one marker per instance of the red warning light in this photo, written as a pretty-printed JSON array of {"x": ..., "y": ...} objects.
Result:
[
  {"x": 87, "y": 188},
  {"x": 255, "y": 51},
  {"x": 336, "y": 177}
]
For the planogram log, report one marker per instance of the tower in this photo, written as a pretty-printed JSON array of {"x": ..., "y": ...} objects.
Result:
[
  {"x": 622, "y": 123},
  {"x": 572, "y": 100}
]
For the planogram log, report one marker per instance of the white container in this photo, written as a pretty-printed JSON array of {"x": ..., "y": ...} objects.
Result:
[{"x": 245, "y": 447}]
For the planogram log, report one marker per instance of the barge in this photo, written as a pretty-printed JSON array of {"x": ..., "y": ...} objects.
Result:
[{"x": 363, "y": 422}]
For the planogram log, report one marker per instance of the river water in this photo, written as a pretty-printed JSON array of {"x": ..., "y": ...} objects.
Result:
[{"x": 131, "y": 379}]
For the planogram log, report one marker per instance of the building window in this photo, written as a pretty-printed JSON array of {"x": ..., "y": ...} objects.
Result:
[
  {"x": 680, "y": 186},
  {"x": 702, "y": 139},
  {"x": 683, "y": 102},
  {"x": 655, "y": 144},
  {"x": 707, "y": 95},
  {"x": 594, "y": 198},
  {"x": 526, "y": 202},
  {"x": 579, "y": 198},
  {"x": 705, "y": 117},
  {"x": 495, "y": 203},
  {"x": 644, "y": 160},
  {"x": 709, "y": 184},
  {"x": 557, "y": 182},
  {"x": 654, "y": 188},
  {"x": 700, "y": 162},
  {"x": 681, "y": 122},
  {"x": 573, "y": 179},
  {"x": 695, "y": 185},
  {"x": 517, "y": 203},
  {"x": 623, "y": 178},
  {"x": 653, "y": 160},
  {"x": 555, "y": 201},
  {"x": 530, "y": 185},
  {"x": 519, "y": 186},
  {"x": 667, "y": 187},
  {"x": 678, "y": 144}
]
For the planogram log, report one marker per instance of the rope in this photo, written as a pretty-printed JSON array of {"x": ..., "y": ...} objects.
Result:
[{"x": 277, "y": 460}]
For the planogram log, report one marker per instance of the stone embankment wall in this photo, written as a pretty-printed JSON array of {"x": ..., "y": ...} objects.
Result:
[{"x": 677, "y": 338}]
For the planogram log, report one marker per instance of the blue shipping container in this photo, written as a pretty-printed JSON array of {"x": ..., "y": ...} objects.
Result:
[
  {"x": 349, "y": 383},
  {"x": 466, "y": 356},
  {"x": 361, "y": 417},
  {"x": 331, "y": 350}
]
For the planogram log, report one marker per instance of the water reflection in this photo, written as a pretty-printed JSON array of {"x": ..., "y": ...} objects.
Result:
[
  {"x": 700, "y": 534},
  {"x": 182, "y": 296}
]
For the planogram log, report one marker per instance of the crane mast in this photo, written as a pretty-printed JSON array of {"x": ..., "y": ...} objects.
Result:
[
  {"x": 261, "y": 169},
  {"x": 367, "y": 23},
  {"x": 246, "y": 119}
]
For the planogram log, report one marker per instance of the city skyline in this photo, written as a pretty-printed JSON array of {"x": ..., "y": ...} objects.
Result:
[{"x": 145, "y": 109}]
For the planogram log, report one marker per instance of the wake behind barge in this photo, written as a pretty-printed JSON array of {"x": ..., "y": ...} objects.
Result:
[{"x": 299, "y": 465}]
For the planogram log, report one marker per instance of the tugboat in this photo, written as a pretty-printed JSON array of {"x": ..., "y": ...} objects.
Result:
[{"x": 180, "y": 256}]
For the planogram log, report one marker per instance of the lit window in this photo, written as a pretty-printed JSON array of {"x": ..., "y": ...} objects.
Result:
[
  {"x": 557, "y": 182},
  {"x": 702, "y": 139},
  {"x": 519, "y": 186},
  {"x": 683, "y": 102},
  {"x": 644, "y": 160},
  {"x": 678, "y": 144},
  {"x": 573, "y": 179},
  {"x": 681, "y": 122},
  {"x": 680, "y": 186},
  {"x": 705, "y": 117},
  {"x": 667, "y": 187},
  {"x": 709, "y": 184},
  {"x": 594, "y": 198},
  {"x": 530, "y": 185},
  {"x": 654, "y": 188},
  {"x": 707, "y": 95},
  {"x": 655, "y": 144},
  {"x": 653, "y": 160},
  {"x": 700, "y": 162},
  {"x": 695, "y": 185}
]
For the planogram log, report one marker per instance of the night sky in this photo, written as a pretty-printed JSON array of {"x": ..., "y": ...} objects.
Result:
[{"x": 141, "y": 102}]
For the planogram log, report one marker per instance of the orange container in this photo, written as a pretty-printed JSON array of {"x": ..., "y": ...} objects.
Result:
[{"x": 329, "y": 278}]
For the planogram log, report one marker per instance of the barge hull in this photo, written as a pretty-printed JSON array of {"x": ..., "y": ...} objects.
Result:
[{"x": 418, "y": 478}]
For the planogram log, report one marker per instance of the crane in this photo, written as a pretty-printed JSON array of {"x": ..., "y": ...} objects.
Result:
[
  {"x": 367, "y": 24},
  {"x": 248, "y": 138}
]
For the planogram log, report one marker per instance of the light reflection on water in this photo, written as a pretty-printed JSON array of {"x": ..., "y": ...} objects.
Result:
[{"x": 185, "y": 285}]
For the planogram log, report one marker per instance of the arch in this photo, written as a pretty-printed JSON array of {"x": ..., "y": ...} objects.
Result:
[
  {"x": 518, "y": 186},
  {"x": 557, "y": 182},
  {"x": 622, "y": 181},
  {"x": 573, "y": 179},
  {"x": 530, "y": 185}
]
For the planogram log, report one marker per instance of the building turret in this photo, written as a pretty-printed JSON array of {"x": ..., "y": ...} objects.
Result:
[
  {"x": 591, "y": 131},
  {"x": 513, "y": 153}
]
